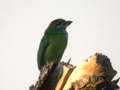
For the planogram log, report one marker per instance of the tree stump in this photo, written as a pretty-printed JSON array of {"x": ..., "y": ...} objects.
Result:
[{"x": 95, "y": 73}]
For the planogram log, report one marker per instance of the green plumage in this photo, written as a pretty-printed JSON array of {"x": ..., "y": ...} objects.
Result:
[{"x": 52, "y": 45}]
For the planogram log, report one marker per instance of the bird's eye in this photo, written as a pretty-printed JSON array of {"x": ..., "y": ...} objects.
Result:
[{"x": 58, "y": 23}]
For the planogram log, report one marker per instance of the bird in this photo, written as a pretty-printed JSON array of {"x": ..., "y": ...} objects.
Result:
[{"x": 53, "y": 42}]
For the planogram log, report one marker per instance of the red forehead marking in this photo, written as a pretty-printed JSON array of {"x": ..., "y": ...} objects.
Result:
[{"x": 55, "y": 21}]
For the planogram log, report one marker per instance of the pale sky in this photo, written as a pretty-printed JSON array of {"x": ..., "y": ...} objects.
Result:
[{"x": 95, "y": 28}]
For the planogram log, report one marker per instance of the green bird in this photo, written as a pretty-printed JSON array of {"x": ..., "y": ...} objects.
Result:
[{"x": 53, "y": 42}]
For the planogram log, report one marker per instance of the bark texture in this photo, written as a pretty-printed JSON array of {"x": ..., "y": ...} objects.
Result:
[{"x": 94, "y": 73}]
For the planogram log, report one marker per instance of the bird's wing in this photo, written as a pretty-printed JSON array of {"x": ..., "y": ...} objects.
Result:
[{"x": 42, "y": 49}]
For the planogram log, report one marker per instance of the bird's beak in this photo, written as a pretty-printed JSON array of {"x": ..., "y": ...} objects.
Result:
[{"x": 67, "y": 23}]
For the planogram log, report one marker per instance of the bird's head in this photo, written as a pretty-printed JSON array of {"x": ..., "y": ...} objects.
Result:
[{"x": 60, "y": 24}]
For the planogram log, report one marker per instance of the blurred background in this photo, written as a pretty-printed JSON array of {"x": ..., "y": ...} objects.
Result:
[{"x": 95, "y": 28}]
